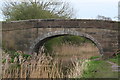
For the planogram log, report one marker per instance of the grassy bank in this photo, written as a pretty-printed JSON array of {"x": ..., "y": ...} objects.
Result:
[
  {"x": 101, "y": 68},
  {"x": 116, "y": 59}
]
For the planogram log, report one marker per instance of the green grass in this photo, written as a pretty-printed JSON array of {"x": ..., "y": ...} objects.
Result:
[
  {"x": 94, "y": 57},
  {"x": 14, "y": 54},
  {"x": 99, "y": 69},
  {"x": 115, "y": 59}
]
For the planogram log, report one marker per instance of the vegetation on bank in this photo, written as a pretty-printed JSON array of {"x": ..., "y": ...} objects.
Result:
[
  {"x": 71, "y": 69},
  {"x": 41, "y": 66},
  {"x": 49, "y": 45},
  {"x": 101, "y": 68},
  {"x": 14, "y": 54},
  {"x": 58, "y": 41},
  {"x": 88, "y": 68},
  {"x": 116, "y": 59},
  {"x": 93, "y": 68}
]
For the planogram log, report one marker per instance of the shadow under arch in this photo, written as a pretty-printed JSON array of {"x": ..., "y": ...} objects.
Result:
[{"x": 46, "y": 36}]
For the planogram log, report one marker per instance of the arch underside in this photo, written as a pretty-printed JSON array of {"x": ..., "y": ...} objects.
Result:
[{"x": 43, "y": 38}]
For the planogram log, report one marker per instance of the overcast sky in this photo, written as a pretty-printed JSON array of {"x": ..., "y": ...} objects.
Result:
[
  {"x": 89, "y": 9},
  {"x": 92, "y": 8}
]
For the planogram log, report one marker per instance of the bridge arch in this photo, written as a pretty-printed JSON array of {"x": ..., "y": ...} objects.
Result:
[{"x": 46, "y": 36}]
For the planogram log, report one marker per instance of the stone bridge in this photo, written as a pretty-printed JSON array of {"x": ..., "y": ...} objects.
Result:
[{"x": 30, "y": 35}]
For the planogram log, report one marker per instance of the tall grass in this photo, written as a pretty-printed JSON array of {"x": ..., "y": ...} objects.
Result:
[
  {"x": 58, "y": 41},
  {"x": 83, "y": 51},
  {"x": 65, "y": 62},
  {"x": 41, "y": 66}
]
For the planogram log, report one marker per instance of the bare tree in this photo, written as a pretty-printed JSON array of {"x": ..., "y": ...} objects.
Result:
[{"x": 103, "y": 18}]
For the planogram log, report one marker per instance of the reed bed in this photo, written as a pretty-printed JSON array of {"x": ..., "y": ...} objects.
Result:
[
  {"x": 42, "y": 66},
  {"x": 83, "y": 51}
]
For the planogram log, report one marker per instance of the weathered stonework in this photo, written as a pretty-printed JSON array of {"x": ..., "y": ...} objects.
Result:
[{"x": 29, "y": 35}]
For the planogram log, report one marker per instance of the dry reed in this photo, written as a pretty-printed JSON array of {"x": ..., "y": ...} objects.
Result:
[
  {"x": 84, "y": 51},
  {"x": 42, "y": 66}
]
